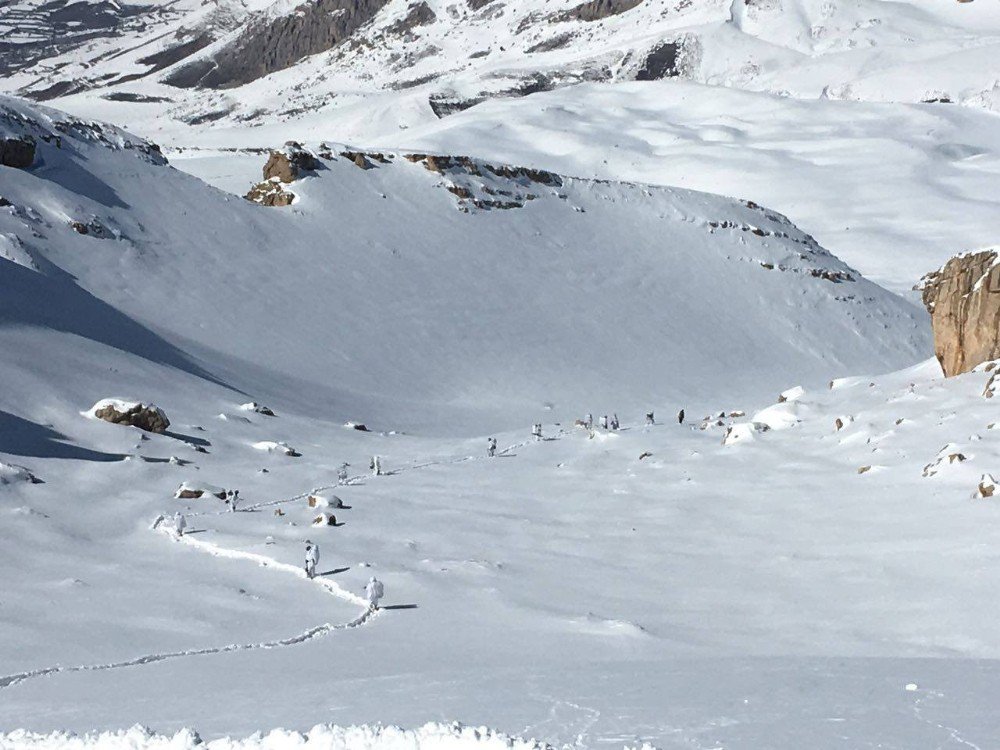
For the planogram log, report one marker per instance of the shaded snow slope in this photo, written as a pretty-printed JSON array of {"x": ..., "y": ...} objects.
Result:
[{"x": 407, "y": 296}]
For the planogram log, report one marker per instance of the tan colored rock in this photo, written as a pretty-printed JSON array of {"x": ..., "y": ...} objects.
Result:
[
  {"x": 288, "y": 164},
  {"x": 145, "y": 417},
  {"x": 987, "y": 486},
  {"x": 270, "y": 193},
  {"x": 963, "y": 298}
]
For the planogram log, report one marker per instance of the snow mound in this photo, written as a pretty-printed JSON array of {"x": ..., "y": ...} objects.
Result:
[
  {"x": 432, "y": 736},
  {"x": 792, "y": 394},
  {"x": 779, "y": 416},
  {"x": 272, "y": 446},
  {"x": 743, "y": 432}
]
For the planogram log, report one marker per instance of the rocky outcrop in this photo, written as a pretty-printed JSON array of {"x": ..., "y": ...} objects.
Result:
[
  {"x": 661, "y": 62},
  {"x": 270, "y": 193},
  {"x": 595, "y": 10},
  {"x": 144, "y": 416},
  {"x": 18, "y": 153},
  {"x": 268, "y": 44},
  {"x": 963, "y": 298},
  {"x": 419, "y": 14},
  {"x": 288, "y": 164},
  {"x": 282, "y": 167}
]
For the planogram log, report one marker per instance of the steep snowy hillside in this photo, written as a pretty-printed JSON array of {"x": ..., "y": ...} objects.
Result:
[
  {"x": 260, "y": 61},
  {"x": 417, "y": 291},
  {"x": 815, "y": 572},
  {"x": 894, "y": 190}
]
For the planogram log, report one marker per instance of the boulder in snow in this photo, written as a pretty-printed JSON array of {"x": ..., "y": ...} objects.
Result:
[
  {"x": 192, "y": 491},
  {"x": 325, "y": 501},
  {"x": 325, "y": 519},
  {"x": 288, "y": 164},
  {"x": 18, "y": 153},
  {"x": 270, "y": 193},
  {"x": 147, "y": 417},
  {"x": 272, "y": 446},
  {"x": 987, "y": 486},
  {"x": 257, "y": 408}
]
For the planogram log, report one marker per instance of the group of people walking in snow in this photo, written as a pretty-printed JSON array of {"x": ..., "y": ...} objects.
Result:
[{"x": 374, "y": 589}]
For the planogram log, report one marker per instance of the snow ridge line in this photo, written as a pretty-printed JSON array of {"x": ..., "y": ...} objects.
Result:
[{"x": 333, "y": 588}]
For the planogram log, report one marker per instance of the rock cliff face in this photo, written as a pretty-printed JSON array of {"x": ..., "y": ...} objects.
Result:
[
  {"x": 17, "y": 152},
  {"x": 963, "y": 298},
  {"x": 269, "y": 44}
]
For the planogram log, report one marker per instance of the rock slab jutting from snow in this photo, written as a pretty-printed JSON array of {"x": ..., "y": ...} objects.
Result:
[
  {"x": 148, "y": 417},
  {"x": 963, "y": 298}
]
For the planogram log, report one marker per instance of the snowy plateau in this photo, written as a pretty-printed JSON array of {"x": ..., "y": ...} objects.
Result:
[{"x": 644, "y": 351}]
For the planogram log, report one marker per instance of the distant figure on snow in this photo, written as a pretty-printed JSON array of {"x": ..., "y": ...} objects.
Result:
[
  {"x": 536, "y": 430},
  {"x": 491, "y": 449},
  {"x": 376, "y": 466},
  {"x": 680, "y": 417},
  {"x": 180, "y": 523},
  {"x": 374, "y": 591},
  {"x": 649, "y": 418},
  {"x": 342, "y": 473},
  {"x": 615, "y": 425},
  {"x": 232, "y": 498},
  {"x": 312, "y": 558},
  {"x": 588, "y": 421},
  {"x": 604, "y": 422}
]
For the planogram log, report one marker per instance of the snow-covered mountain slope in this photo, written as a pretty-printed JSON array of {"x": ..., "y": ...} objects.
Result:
[
  {"x": 650, "y": 585},
  {"x": 418, "y": 292},
  {"x": 670, "y": 584},
  {"x": 259, "y": 61},
  {"x": 893, "y": 189}
]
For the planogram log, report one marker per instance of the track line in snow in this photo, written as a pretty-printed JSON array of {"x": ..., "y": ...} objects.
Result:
[
  {"x": 264, "y": 561},
  {"x": 213, "y": 549},
  {"x": 954, "y": 735},
  {"x": 269, "y": 562}
]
